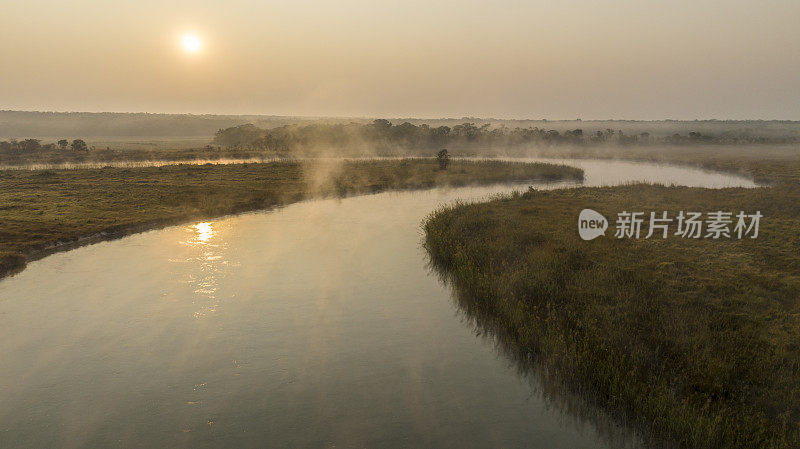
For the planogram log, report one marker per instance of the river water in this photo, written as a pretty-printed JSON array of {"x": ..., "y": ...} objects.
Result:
[{"x": 317, "y": 324}]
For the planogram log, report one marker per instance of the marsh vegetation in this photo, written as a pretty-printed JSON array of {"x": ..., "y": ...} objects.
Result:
[
  {"x": 46, "y": 209},
  {"x": 261, "y": 318},
  {"x": 47, "y": 138},
  {"x": 692, "y": 340}
]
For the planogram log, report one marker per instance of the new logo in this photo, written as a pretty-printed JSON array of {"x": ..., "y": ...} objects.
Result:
[{"x": 591, "y": 224}]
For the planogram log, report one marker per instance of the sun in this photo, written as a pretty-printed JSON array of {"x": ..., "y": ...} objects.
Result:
[{"x": 191, "y": 43}]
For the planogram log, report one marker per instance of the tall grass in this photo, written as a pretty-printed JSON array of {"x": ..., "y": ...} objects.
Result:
[
  {"x": 695, "y": 341},
  {"x": 45, "y": 210}
]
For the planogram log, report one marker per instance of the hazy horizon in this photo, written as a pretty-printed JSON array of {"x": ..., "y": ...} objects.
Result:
[
  {"x": 612, "y": 60},
  {"x": 416, "y": 118}
]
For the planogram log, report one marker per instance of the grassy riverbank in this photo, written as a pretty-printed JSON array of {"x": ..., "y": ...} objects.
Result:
[
  {"x": 46, "y": 209},
  {"x": 695, "y": 340}
]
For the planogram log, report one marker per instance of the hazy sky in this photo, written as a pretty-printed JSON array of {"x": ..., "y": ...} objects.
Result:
[{"x": 507, "y": 59}]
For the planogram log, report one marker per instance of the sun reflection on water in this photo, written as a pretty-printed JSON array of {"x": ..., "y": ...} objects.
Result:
[
  {"x": 204, "y": 232},
  {"x": 207, "y": 260}
]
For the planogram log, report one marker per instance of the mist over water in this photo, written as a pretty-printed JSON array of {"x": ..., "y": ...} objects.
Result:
[
  {"x": 597, "y": 172},
  {"x": 316, "y": 324},
  {"x": 322, "y": 323}
]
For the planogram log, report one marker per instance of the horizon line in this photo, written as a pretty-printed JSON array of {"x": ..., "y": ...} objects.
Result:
[{"x": 365, "y": 117}]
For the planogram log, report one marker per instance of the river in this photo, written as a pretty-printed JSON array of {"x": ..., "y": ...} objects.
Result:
[{"x": 317, "y": 324}]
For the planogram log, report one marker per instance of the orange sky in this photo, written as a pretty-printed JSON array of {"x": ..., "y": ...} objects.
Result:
[{"x": 506, "y": 59}]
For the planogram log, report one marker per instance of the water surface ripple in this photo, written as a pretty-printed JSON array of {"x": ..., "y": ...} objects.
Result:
[{"x": 317, "y": 324}]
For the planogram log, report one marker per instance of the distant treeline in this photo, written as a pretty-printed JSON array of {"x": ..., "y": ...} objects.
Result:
[
  {"x": 28, "y": 146},
  {"x": 35, "y": 151},
  {"x": 93, "y": 125},
  {"x": 384, "y": 135}
]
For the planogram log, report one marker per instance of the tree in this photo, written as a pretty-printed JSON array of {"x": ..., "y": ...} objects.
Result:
[
  {"x": 79, "y": 145},
  {"x": 242, "y": 136},
  {"x": 466, "y": 130},
  {"x": 31, "y": 145},
  {"x": 63, "y": 144},
  {"x": 382, "y": 125},
  {"x": 443, "y": 158}
]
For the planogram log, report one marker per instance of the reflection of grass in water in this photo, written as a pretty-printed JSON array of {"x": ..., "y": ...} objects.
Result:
[
  {"x": 695, "y": 340},
  {"x": 39, "y": 209},
  {"x": 576, "y": 406}
]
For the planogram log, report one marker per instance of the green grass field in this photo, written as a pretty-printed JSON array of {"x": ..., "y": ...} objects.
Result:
[
  {"x": 697, "y": 341},
  {"x": 43, "y": 210}
]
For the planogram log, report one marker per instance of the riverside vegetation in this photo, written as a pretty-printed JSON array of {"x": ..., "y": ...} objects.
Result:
[
  {"x": 695, "y": 341},
  {"x": 45, "y": 210},
  {"x": 138, "y": 138}
]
